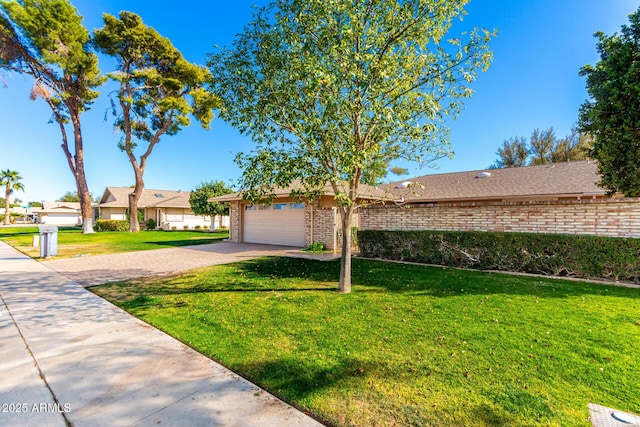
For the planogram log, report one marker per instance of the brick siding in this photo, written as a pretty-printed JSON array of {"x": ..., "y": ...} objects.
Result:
[
  {"x": 602, "y": 217},
  {"x": 324, "y": 226},
  {"x": 235, "y": 221}
]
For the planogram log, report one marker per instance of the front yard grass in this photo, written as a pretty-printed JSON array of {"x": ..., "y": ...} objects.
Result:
[
  {"x": 412, "y": 345},
  {"x": 71, "y": 241}
]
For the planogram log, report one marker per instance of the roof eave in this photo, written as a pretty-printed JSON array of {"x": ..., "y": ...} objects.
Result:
[{"x": 532, "y": 197}]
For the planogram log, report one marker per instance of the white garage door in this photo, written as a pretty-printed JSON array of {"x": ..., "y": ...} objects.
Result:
[
  {"x": 278, "y": 224},
  {"x": 60, "y": 219}
]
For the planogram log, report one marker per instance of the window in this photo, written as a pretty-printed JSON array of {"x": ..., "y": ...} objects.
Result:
[
  {"x": 296, "y": 205},
  {"x": 280, "y": 206},
  {"x": 159, "y": 195},
  {"x": 249, "y": 207},
  {"x": 264, "y": 207}
]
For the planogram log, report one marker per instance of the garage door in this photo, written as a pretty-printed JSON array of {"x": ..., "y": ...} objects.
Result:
[
  {"x": 61, "y": 219},
  {"x": 277, "y": 224}
]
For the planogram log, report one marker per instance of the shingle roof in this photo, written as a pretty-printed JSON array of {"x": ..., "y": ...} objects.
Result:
[
  {"x": 62, "y": 207},
  {"x": 366, "y": 192},
  {"x": 119, "y": 197},
  {"x": 569, "y": 179}
]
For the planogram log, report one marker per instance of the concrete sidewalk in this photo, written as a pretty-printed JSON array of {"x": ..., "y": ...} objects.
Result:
[{"x": 69, "y": 357}]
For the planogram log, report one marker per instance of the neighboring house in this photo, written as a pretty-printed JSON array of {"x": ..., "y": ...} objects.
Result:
[
  {"x": 167, "y": 208},
  {"x": 288, "y": 221},
  {"x": 556, "y": 198},
  {"x": 59, "y": 213},
  {"x": 24, "y": 215}
]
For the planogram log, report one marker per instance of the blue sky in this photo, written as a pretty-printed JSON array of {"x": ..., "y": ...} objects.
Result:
[{"x": 533, "y": 83}]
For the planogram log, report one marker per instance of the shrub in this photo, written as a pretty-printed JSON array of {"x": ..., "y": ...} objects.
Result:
[
  {"x": 197, "y": 227},
  {"x": 354, "y": 236},
  {"x": 579, "y": 256},
  {"x": 173, "y": 227},
  {"x": 112, "y": 225},
  {"x": 186, "y": 227},
  {"x": 316, "y": 247},
  {"x": 151, "y": 224}
]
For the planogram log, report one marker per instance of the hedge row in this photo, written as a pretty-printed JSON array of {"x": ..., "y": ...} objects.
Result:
[
  {"x": 590, "y": 257},
  {"x": 112, "y": 225}
]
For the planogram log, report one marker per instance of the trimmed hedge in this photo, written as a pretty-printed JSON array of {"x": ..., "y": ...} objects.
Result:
[
  {"x": 582, "y": 256},
  {"x": 112, "y": 225}
]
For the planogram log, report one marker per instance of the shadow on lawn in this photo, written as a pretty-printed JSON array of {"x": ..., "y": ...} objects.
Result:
[
  {"x": 380, "y": 276},
  {"x": 296, "y": 378},
  {"x": 282, "y": 274}
]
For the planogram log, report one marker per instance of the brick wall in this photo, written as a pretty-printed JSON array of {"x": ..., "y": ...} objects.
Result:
[
  {"x": 324, "y": 226},
  {"x": 235, "y": 221},
  {"x": 604, "y": 217}
]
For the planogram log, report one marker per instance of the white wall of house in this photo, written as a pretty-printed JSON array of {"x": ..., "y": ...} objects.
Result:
[
  {"x": 168, "y": 218},
  {"x": 60, "y": 219},
  {"x": 184, "y": 218},
  {"x": 113, "y": 213}
]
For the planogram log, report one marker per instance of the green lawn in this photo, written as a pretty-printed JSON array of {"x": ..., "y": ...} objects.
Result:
[
  {"x": 71, "y": 241},
  {"x": 411, "y": 345}
]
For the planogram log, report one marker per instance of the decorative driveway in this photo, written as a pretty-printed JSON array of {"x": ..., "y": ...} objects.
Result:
[{"x": 94, "y": 270}]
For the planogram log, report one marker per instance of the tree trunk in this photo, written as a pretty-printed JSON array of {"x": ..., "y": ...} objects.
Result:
[
  {"x": 76, "y": 163},
  {"x": 344, "y": 284},
  {"x": 213, "y": 222},
  {"x": 134, "y": 197},
  {"x": 86, "y": 208},
  {"x": 7, "y": 194}
]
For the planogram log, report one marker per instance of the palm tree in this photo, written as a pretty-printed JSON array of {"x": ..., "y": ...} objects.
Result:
[{"x": 11, "y": 180}]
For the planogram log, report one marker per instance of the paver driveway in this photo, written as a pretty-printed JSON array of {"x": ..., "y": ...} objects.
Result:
[{"x": 94, "y": 270}]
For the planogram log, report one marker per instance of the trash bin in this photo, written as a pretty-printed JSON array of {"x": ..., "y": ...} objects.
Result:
[{"x": 48, "y": 241}]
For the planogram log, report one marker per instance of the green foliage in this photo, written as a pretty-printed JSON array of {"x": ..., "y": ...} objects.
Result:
[
  {"x": 580, "y": 256},
  {"x": 198, "y": 199},
  {"x": 112, "y": 225},
  {"x": 333, "y": 91},
  {"x": 158, "y": 90},
  {"x": 10, "y": 180},
  {"x": 317, "y": 247},
  {"x": 155, "y": 81},
  {"x": 612, "y": 115},
  {"x": 35, "y": 204},
  {"x": 69, "y": 196},
  {"x": 72, "y": 196},
  {"x": 330, "y": 89},
  {"x": 543, "y": 148},
  {"x": 46, "y": 40},
  {"x": 151, "y": 224}
]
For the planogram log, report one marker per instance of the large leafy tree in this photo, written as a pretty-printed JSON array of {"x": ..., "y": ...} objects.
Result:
[
  {"x": 331, "y": 89},
  {"x": 158, "y": 92},
  {"x": 513, "y": 153},
  {"x": 199, "y": 200},
  {"x": 71, "y": 196},
  {"x": 10, "y": 180},
  {"x": 573, "y": 147},
  {"x": 543, "y": 148},
  {"x": 46, "y": 40},
  {"x": 612, "y": 115}
]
